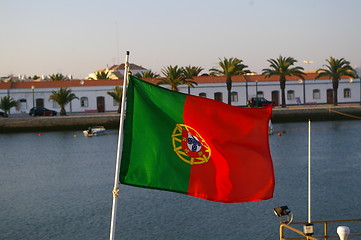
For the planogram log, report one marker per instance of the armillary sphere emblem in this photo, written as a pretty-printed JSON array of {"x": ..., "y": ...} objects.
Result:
[{"x": 189, "y": 145}]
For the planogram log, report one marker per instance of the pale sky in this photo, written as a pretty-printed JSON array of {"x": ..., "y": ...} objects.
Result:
[{"x": 78, "y": 37}]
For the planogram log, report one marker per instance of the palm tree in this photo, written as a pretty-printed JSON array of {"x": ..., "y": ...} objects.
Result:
[
  {"x": 230, "y": 67},
  {"x": 116, "y": 94},
  {"x": 101, "y": 75},
  {"x": 147, "y": 74},
  {"x": 63, "y": 96},
  {"x": 192, "y": 71},
  {"x": 174, "y": 76},
  {"x": 35, "y": 77},
  {"x": 335, "y": 69},
  {"x": 282, "y": 67},
  {"x": 6, "y": 103},
  {"x": 57, "y": 77}
]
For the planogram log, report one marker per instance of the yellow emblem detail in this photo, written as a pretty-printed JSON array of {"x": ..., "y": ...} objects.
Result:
[{"x": 189, "y": 145}]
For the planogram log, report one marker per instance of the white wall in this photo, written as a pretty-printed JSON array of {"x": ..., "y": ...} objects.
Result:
[
  {"x": 209, "y": 88},
  {"x": 91, "y": 92},
  {"x": 268, "y": 87}
]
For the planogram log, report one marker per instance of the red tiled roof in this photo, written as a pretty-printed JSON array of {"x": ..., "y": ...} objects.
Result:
[
  {"x": 244, "y": 78},
  {"x": 5, "y": 85},
  {"x": 108, "y": 82},
  {"x": 59, "y": 84},
  {"x": 131, "y": 67}
]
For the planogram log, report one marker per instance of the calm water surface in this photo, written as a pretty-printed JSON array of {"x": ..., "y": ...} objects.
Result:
[{"x": 58, "y": 186}]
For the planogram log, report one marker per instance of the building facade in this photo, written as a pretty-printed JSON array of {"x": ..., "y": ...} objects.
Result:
[{"x": 93, "y": 95}]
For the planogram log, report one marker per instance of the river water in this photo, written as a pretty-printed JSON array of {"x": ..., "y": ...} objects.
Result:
[{"x": 57, "y": 185}]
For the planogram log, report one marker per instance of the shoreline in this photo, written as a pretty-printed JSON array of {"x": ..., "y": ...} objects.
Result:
[
  {"x": 110, "y": 120},
  {"x": 324, "y": 112}
]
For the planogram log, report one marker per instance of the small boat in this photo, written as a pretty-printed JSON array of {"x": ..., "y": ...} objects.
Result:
[{"x": 94, "y": 131}]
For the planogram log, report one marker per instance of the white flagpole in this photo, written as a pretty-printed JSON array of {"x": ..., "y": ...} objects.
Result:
[
  {"x": 309, "y": 171},
  {"x": 120, "y": 146}
]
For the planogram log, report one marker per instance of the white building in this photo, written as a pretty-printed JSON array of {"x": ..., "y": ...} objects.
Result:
[
  {"x": 117, "y": 71},
  {"x": 297, "y": 91},
  {"x": 93, "y": 95}
]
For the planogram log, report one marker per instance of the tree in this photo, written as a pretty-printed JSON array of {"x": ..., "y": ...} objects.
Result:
[
  {"x": 63, "y": 96},
  {"x": 57, "y": 77},
  {"x": 101, "y": 75},
  {"x": 6, "y": 103},
  {"x": 192, "y": 71},
  {"x": 335, "y": 69},
  {"x": 147, "y": 74},
  {"x": 116, "y": 94},
  {"x": 282, "y": 67},
  {"x": 174, "y": 76},
  {"x": 228, "y": 68}
]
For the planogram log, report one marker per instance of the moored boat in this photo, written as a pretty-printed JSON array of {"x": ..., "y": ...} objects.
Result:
[{"x": 94, "y": 131}]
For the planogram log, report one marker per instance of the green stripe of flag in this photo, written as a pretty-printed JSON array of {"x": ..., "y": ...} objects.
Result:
[{"x": 148, "y": 158}]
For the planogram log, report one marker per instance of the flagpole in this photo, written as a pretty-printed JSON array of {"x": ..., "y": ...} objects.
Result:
[
  {"x": 309, "y": 171},
  {"x": 119, "y": 151}
]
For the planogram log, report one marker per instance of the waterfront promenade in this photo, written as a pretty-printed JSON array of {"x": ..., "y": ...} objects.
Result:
[{"x": 81, "y": 121}]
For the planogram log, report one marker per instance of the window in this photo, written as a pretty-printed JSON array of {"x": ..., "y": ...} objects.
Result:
[
  {"x": 347, "y": 93},
  {"x": 234, "y": 97},
  {"x": 83, "y": 102},
  {"x": 290, "y": 95},
  {"x": 260, "y": 94},
  {"x": 218, "y": 96},
  {"x": 202, "y": 94},
  {"x": 316, "y": 94}
]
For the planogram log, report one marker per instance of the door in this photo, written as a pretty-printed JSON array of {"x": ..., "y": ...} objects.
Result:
[
  {"x": 276, "y": 98},
  {"x": 329, "y": 96},
  {"x": 23, "y": 105},
  {"x": 100, "y": 104},
  {"x": 39, "y": 102}
]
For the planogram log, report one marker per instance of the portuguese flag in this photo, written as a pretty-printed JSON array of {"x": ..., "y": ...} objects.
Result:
[{"x": 195, "y": 146}]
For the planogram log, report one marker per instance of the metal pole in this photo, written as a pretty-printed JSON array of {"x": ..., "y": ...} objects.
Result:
[
  {"x": 257, "y": 100},
  {"x": 256, "y": 88},
  {"x": 247, "y": 92},
  {"x": 304, "y": 91},
  {"x": 120, "y": 146},
  {"x": 32, "y": 88},
  {"x": 309, "y": 171}
]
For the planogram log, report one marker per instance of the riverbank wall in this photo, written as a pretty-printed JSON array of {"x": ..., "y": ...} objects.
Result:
[
  {"x": 316, "y": 113},
  {"x": 110, "y": 120},
  {"x": 58, "y": 123}
]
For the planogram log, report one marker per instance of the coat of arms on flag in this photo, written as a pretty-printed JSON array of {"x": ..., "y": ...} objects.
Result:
[{"x": 189, "y": 145}]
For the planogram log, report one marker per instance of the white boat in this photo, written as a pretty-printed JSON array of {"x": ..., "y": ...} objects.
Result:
[{"x": 94, "y": 131}]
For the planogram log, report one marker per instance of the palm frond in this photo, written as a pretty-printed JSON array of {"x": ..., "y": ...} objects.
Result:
[
  {"x": 63, "y": 96},
  {"x": 335, "y": 69},
  {"x": 116, "y": 94},
  {"x": 6, "y": 103},
  {"x": 57, "y": 77}
]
